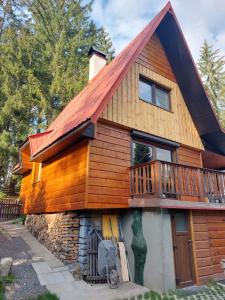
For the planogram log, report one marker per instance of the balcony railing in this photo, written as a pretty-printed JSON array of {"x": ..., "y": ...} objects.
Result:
[{"x": 170, "y": 180}]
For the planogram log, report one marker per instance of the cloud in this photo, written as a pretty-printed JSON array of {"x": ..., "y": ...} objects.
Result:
[{"x": 200, "y": 20}]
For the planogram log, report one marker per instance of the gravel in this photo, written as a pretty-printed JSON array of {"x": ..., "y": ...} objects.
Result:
[{"x": 26, "y": 284}]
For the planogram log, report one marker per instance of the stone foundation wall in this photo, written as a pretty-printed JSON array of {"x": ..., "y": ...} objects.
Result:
[{"x": 58, "y": 232}]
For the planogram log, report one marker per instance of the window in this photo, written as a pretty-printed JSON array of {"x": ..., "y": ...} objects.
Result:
[
  {"x": 181, "y": 222},
  {"x": 36, "y": 172},
  {"x": 152, "y": 93},
  {"x": 145, "y": 90},
  {"x": 142, "y": 152},
  {"x": 163, "y": 154}
]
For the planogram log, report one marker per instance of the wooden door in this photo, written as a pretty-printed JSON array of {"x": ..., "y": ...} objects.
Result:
[{"x": 182, "y": 245}]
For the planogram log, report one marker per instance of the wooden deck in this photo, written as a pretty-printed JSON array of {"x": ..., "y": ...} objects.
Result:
[{"x": 165, "y": 180}]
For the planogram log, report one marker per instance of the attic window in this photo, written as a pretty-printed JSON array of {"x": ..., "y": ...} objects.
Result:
[
  {"x": 153, "y": 93},
  {"x": 36, "y": 172}
]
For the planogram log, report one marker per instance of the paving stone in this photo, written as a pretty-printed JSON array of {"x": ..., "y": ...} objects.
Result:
[
  {"x": 41, "y": 267},
  {"x": 50, "y": 278},
  {"x": 68, "y": 277},
  {"x": 60, "y": 269}
]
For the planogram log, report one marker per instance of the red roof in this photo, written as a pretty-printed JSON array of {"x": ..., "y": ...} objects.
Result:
[
  {"x": 91, "y": 102},
  {"x": 93, "y": 99},
  {"x": 37, "y": 140}
]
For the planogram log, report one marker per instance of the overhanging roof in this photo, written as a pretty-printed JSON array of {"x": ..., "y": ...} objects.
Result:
[
  {"x": 92, "y": 101},
  {"x": 190, "y": 83}
]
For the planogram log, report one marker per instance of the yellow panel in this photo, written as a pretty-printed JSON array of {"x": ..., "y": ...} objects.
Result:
[
  {"x": 126, "y": 109},
  {"x": 110, "y": 227}
]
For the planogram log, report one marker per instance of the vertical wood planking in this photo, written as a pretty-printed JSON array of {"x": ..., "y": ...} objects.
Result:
[{"x": 126, "y": 109}]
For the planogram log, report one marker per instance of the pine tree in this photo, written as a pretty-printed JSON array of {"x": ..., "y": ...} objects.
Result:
[
  {"x": 64, "y": 33},
  {"x": 104, "y": 43},
  {"x": 43, "y": 64},
  {"x": 15, "y": 97},
  {"x": 212, "y": 69},
  {"x": 142, "y": 154}
]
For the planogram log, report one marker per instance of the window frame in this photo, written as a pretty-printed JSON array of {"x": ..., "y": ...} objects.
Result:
[
  {"x": 154, "y": 146},
  {"x": 154, "y": 86}
]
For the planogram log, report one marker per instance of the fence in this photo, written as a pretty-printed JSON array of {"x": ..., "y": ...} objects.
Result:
[
  {"x": 10, "y": 209},
  {"x": 165, "y": 179}
]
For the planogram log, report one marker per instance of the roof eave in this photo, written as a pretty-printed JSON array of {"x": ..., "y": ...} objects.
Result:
[{"x": 62, "y": 143}]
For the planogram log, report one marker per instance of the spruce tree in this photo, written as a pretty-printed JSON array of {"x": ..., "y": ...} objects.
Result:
[
  {"x": 212, "y": 69},
  {"x": 64, "y": 34},
  {"x": 104, "y": 43},
  {"x": 43, "y": 64}
]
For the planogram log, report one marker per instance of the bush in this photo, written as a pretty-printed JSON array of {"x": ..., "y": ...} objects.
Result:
[
  {"x": 46, "y": 296},
  {"x": 23, "y": 219},
  {"x": 5, "y": 280}
]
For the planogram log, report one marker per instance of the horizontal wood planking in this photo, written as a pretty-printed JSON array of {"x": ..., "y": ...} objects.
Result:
[
  {"x": 209, "y": 242},
  {"x": 154, "y": 57},
  {"x": 109, "y": 162},
  {"x": 189, "y": 157},
  {"x": 126, "y": 109},
  {"x": 62, "y": 185}
]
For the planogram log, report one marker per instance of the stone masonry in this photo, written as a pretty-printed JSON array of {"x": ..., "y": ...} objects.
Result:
[{"x": 58, "y": 232}]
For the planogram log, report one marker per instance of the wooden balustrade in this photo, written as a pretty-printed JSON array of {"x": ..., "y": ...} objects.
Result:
[{"x": 170, "y": 180}]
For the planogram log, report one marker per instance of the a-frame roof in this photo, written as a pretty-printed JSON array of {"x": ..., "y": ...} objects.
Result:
[{"x": 92, "y": 101}]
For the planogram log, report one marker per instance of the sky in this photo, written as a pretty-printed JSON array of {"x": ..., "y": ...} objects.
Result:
[{"x": 199, "y": 19}]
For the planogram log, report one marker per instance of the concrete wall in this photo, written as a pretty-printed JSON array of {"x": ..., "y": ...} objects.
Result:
[{"x": 159, "y": 274}]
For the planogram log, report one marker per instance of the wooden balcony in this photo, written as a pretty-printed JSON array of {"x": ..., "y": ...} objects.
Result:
[{"x": 159, "y": 179}]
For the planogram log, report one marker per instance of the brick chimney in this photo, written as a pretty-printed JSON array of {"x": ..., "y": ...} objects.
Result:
[{"x": 97, "y": 60}]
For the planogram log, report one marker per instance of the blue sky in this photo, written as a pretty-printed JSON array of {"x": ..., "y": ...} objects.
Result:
[{"x": 199, "y": 20}]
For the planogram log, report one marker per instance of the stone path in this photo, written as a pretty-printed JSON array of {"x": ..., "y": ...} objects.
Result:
[
  {"x": 215, "y": 291},
  {"x": 26, "y": 284},
  {"x": 53, "y": 274}
]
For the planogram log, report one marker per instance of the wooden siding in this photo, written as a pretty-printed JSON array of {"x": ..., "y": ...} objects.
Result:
[
  {"x": 62, "y": 183},
  {"x": 189, "y": 157},
  {"x": 109, "y": 162},
  {"x": 25, "y": 160},
  {"x": 126, "y": 109},
  {"x": 209, "y": 244},
  {"x": 154, "y": 58}
]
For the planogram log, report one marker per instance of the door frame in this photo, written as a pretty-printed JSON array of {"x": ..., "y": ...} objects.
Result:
[{"x": 191, "y": 247}]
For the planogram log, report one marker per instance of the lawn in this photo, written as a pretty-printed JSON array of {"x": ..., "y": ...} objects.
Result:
[
  {"x": 211, "y": 291},
  {"x": 3, "y": 281},
  {"x": 46, "y": 296}
]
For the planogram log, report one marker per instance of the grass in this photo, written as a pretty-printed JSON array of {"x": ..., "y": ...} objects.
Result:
[
  {"x": 45, "y": 296},
  {"x": 213, "y": 290},
  {"x": 5, "y": 280}
]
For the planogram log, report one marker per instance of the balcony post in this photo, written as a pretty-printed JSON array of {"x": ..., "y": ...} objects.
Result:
[
  {"x": 201, "y": 184},
  {"x": 158, "y": 179}
]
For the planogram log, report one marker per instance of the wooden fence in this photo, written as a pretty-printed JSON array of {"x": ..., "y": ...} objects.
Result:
[{"x": 10, "y": 208}]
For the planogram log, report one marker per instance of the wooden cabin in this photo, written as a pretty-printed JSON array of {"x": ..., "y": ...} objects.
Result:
[{"x": 141, "y": 136}]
